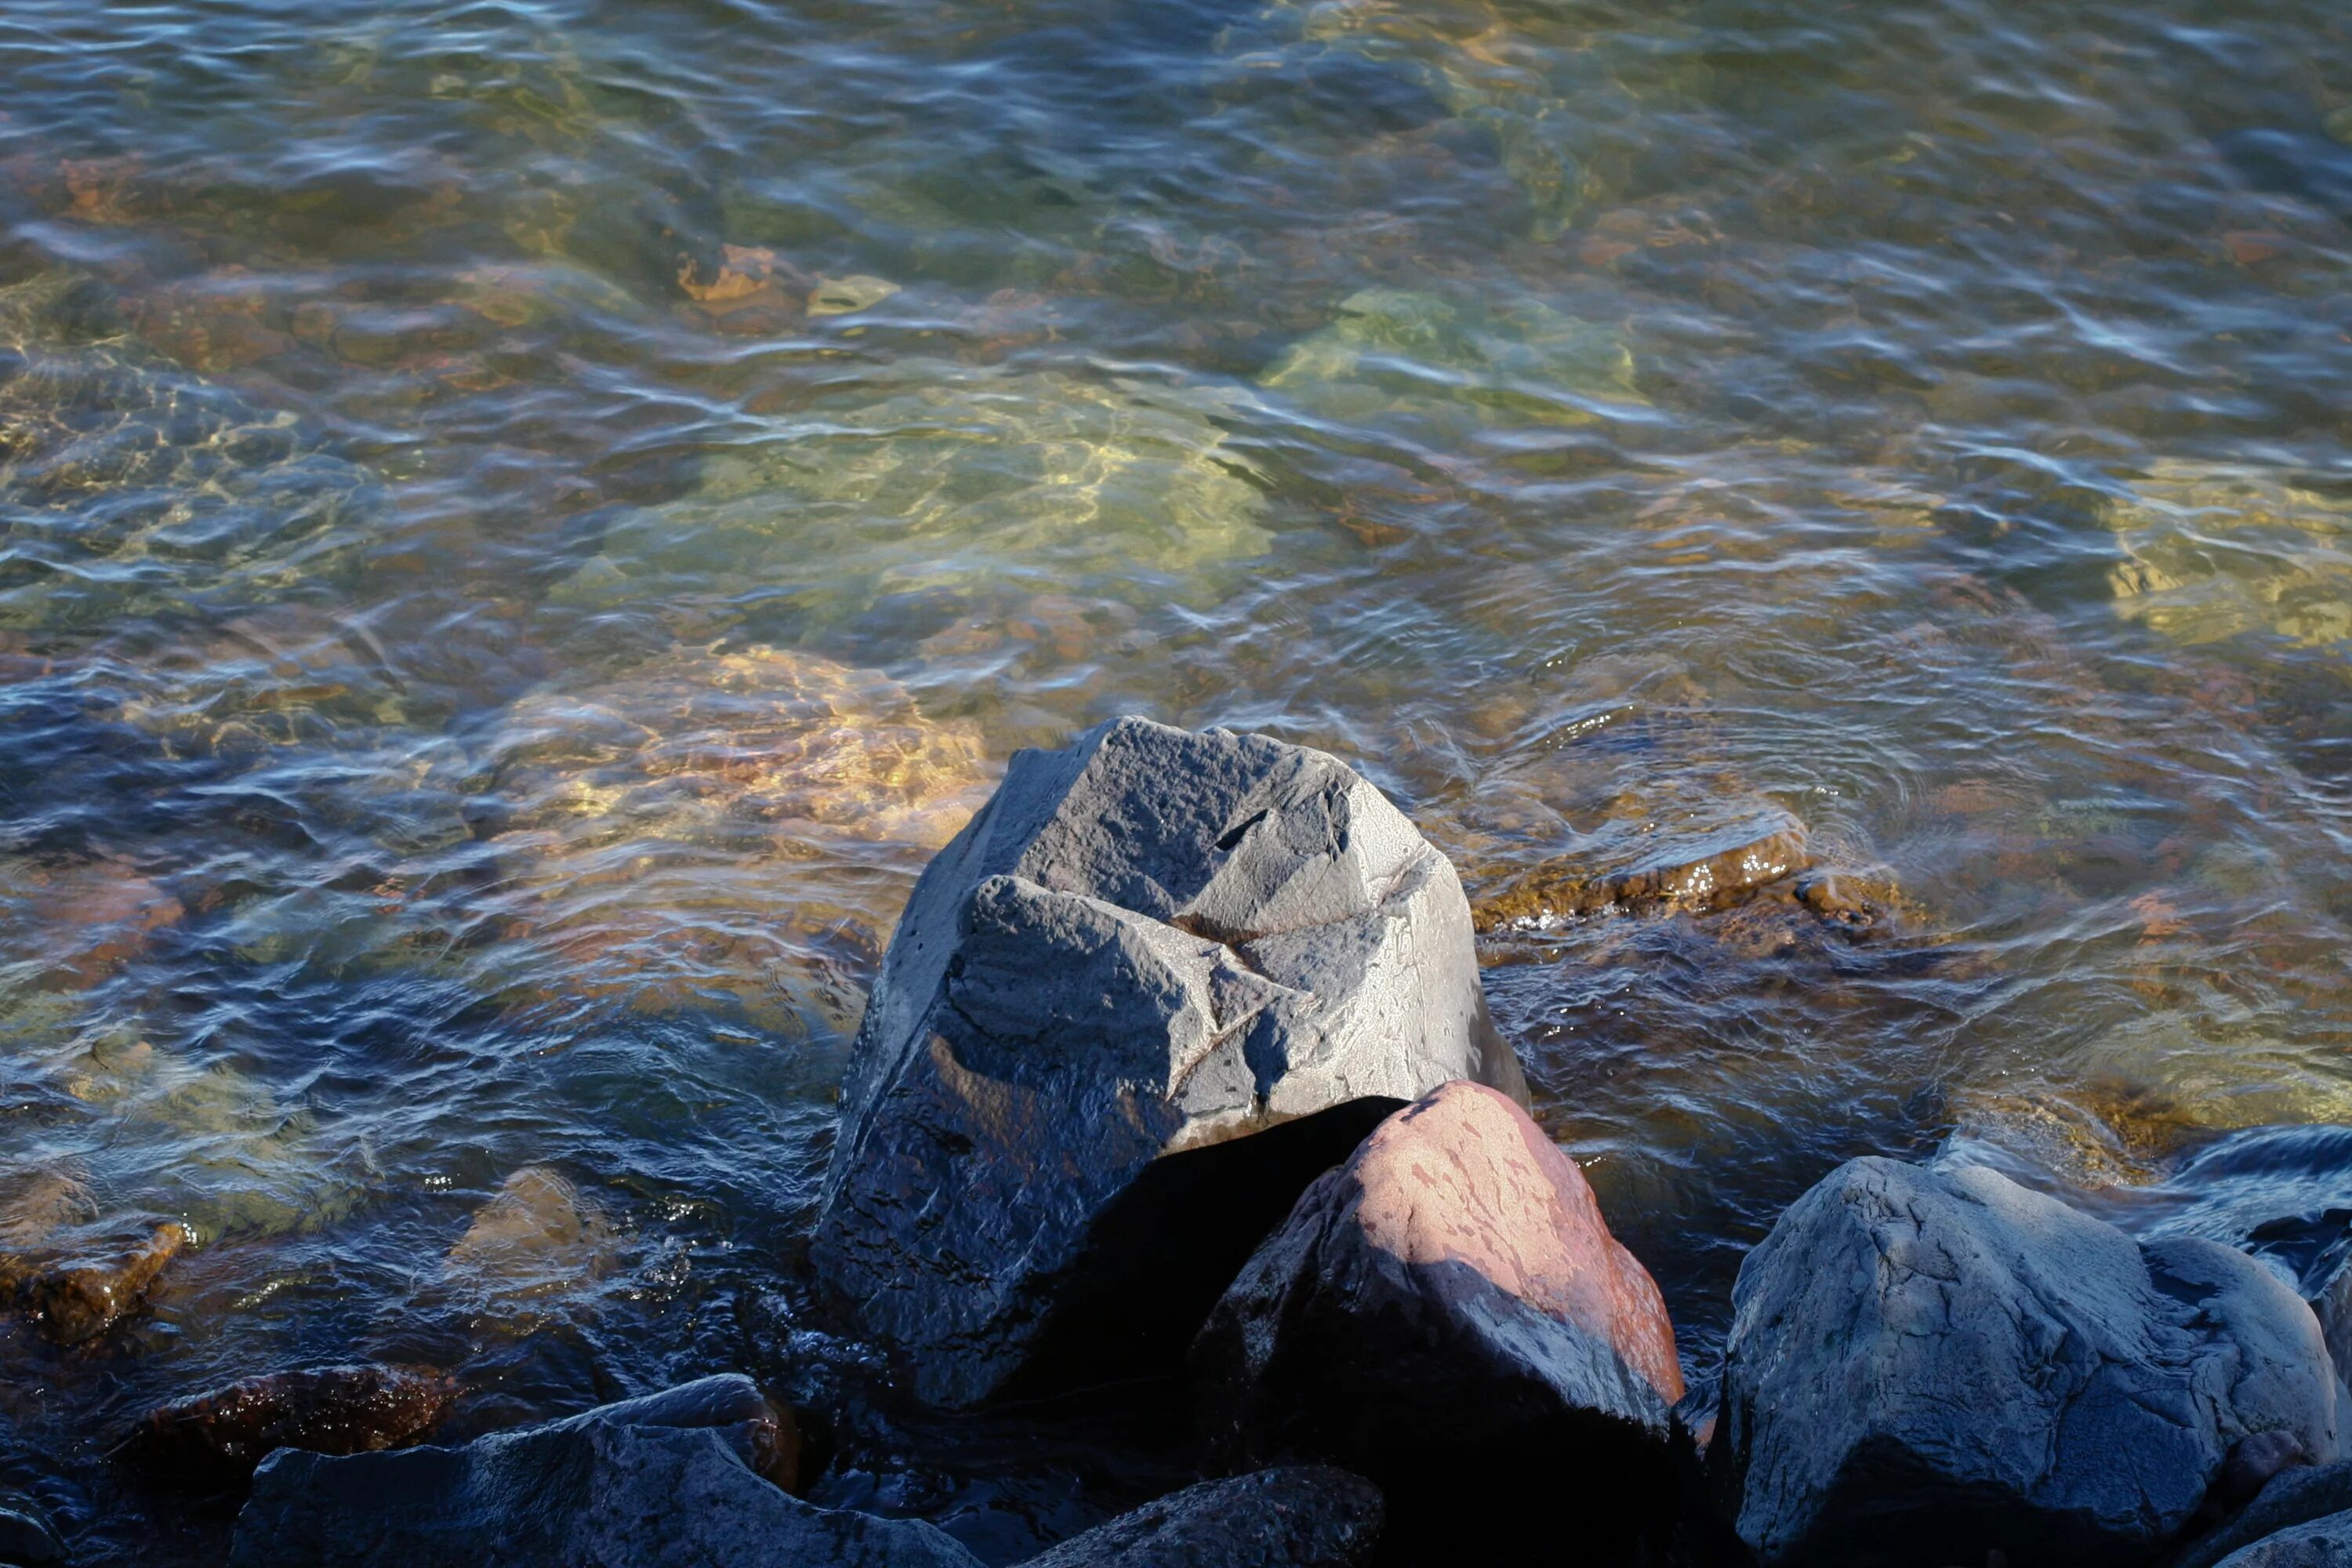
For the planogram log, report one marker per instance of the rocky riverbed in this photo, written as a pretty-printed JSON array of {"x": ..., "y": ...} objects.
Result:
[{"x": 1178, "y": 1130}]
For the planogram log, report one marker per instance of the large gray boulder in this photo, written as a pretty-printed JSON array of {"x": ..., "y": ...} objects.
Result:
[
  {"x": 1298, "y": 1516},
  {"x": 1159, "y": 983},
  {"x": 1926, "y": 1364},
  {"x": 656, "y": 1483}
]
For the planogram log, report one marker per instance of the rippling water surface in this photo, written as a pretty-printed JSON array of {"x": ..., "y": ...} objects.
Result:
[{"x": 522, "y": 525}]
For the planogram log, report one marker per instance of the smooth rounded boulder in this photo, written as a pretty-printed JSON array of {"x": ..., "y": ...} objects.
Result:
[
  {"x": 1156, "y": 985},
  {"x": 1448, "y": 1313},
  {"x": 1928, "y": 1364}
]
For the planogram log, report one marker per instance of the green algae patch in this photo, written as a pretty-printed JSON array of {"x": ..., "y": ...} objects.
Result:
[
  {"x": 1456, "y": 367},
  {"x": 940, "y": 479},
  {"x": 129, "y": 486},
  {"x": 2212, "y": 551}
]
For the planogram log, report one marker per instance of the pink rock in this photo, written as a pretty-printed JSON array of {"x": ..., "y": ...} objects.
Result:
[
  {"x": 1448, "y": 1310},
  {"x": 1464, "y": 1176}
]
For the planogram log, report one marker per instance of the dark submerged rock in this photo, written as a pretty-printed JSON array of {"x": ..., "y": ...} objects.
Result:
[
  {"x": 1160, "y": 981},
  {"x": 662, "y": 1482},
  {"x": 1297, "y": 1515},
  {"x": 1929, "y": 1365},
  {"x": 1448, "y": 1313},
  {"x": 217, "y": 1439}
]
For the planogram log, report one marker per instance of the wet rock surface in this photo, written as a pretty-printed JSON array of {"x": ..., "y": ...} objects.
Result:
[
  {"x": 28, "y": 1538},
  {"x": 217, "y": 1438},
  {"x": 616, "y": 1488},
  {"x": 1449, "y": 1311},
  {"x": 1161, "y": 981},
  {"x": 762, "y": 1433},
  {"x": 1935, "y": 1360},
  {"x": 1708, "y": 870},
  {"x": 1297, "y": 1515},
  {"x": 2321, "y": 1543},
  {"x": 2299, "y": 1496},
  {"x": 78, "y": 1297}
]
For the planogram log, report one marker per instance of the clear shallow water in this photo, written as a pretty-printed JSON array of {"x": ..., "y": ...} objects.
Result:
[{"x": 521, "y": 526}]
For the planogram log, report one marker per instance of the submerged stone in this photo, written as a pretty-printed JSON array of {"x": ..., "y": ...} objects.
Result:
[
  {"x": 134, "y": 486},
  {"x": 1636, "y": 872},
  {"x": 1928, "y": 1364},
  {"x": 79, "y": 1297},
  {"x": 946, "y": 479},
  {"x": 1447, "y": 1311},
  {"x": 217, "y": 1438},
  {"x": 537, "y": 1236},
  {"x": 1458, "y": 366},
  {"x": 2218, "y": 551},
  {"x": 1155, "y": 986},
  {"x": 723, "y": 827}
]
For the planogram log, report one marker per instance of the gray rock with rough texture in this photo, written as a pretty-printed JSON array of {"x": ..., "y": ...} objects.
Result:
[
  {"x": 1298, "y": 1516},
  {"x": 598, "y": 1491},
  {"x": 2322, "y": 1543},
  {"x": 1926, "y": 1364},
  {"x": 2294, "y": 1496},
  {"x": 1144, "y": 952}
]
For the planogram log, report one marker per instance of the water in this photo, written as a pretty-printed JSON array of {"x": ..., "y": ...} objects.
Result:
[{"x": 522, "y": 525}]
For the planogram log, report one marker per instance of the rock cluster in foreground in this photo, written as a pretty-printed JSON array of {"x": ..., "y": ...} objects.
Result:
[
  {"x": 671, "y": 1481},
  {"x": 1183, "y": 1045}
]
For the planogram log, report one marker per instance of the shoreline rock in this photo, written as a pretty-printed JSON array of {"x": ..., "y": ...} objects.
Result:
[
  {"x": 1152, "y": 946},
  {"x": 1448, "y": 1313},
  {"x": 218, "y": 1437},
  {"x": 1936, "y": 1359},
  {"x": 671, "y": 1480}
]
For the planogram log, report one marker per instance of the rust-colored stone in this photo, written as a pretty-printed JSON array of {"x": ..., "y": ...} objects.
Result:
[
  {"x": 1701, "y": 871},
  {"x": 219, "y": 1437},
  {"x": 78, "y": 1299}
]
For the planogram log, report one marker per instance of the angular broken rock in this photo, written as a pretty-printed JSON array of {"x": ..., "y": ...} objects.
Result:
[
  {"x": 1931, "y": 1360},
  {"x": 660, "y": 1482},
  {"x": 1155, "y": 986},
  {"x": 763, "y": 1434},
  {"x": 217, "y": 1438},
  {"x": 1448, "y": 1311},
  {"x": 1298, "y": 1516}
]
